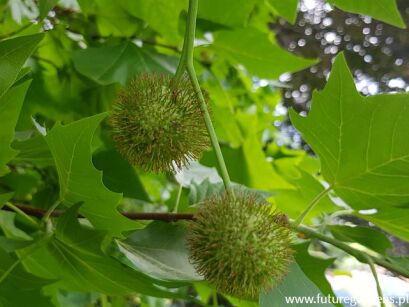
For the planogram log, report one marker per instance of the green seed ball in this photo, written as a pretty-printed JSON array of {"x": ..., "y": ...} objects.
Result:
[
  {"x": 239, "y": 245},
  {"x": 157, "y": 124}
]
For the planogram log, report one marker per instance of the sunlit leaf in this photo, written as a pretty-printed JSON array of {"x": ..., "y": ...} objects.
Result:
[
  {"x": 361, "y": 142},
  {"x": 13, "y": 54},
  {"x": 257, "y": 53},
  {"x": 79, "y": 180},
  {"x": 384, "y": 10},
  {"x": 287, "y": 9}
]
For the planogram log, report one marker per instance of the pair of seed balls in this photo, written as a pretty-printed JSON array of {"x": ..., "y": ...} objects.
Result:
[{"x": 235, "y": 242}]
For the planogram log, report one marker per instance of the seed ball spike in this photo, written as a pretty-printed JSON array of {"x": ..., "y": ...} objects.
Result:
[
  {"x": 157, "y": 124},
  {"x": 239, "y": 245}
]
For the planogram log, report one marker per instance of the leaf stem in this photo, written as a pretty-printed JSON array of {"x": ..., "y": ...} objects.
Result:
[
  {"x": 214, "y": 299},
  {"x": 104, "y": 300},
  {"x": 49, "y": 212},
  {"x": 375, "y": 275},
  {"x": 359, "y": 255},
  {"x": 186, "y": 62},
  {"x": 176, "y": 208},
  {"x": 23, "y": 214},
  {"x": 312, "y": 204}
]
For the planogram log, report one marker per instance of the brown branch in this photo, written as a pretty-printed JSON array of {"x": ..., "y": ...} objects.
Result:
[
  {"x": 160, "y": 216},
  {"x": 169, "y": 217}
]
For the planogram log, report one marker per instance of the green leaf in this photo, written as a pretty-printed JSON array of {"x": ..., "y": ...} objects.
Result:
[
  {"x": 10, "y": 106},
  {"x": 286, "y": 9},
  {"x": 361, "y": 142},
  {"x": 70, "y": 146},
  {"x": 76, "y": 299},
  {"x": 21, "y": 288},
  {"x": 111, "y": 19},
  {"x": 257, "y": 53},
  {"x": 368, "y": 237},
  {"x": 198, "y": 192},
  {"x": 34, "y": 151},
  {"x": 9, "y": 228},
  {"x": 231, "y": 13},
  {"x": 74, "y": 258},
  {"x": 23, "y": 183},
  {"x": 13, "y": 54},
  {"x": 384, "y": 10},
  {"x": 248, "y": 165},
  {"x": 393, "y": 220},
  {"x": 110, "y": 64},
  {"x": 44, "y": 6},
  {"x": 159, "y": 250},
  {"x": 118, "y": 175},
  {"x": 14, "y": 238},
  {"x": 295, "y": 286},
  {"x": 4, "y": 197},
  {"x": 164, "y": 18},
  {"x": 294, "y": 202},
  {"x": 314, "y": 268},
  {"x": 11, "y": 245}
]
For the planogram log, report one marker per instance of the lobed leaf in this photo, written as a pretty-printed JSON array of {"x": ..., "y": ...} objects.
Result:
[{"x": 79, "y": 180}]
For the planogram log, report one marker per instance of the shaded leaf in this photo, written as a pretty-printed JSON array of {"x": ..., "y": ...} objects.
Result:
[
  {"x": 4, "y": 197},
  {"x": 366, "y": 236},
  {"x": 314, "y": 268},
  {"x": 110, "y": 64},
  {"x": 10, "y": 106},
  {"x": 13, "y": 54},
  {"x": 159, "y": 250},
  {"x": 295, "y": 286},
  {"x": 74, "y": 257},
  {"x": 118, "y": 175},
  {"x": 34, "y": 151},
  {"x": 21, "y": 288},
  {"x": 11, "y": 245},
  {"x": 393, "y": 220},
  {"x": 200, "y": 191},
  {"x": 9, "y": 228}
]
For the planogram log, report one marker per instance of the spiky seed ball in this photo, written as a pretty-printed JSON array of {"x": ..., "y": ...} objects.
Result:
[
  {"x": 157, "y": 124},
  {"x": 239, "y": 245}
]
